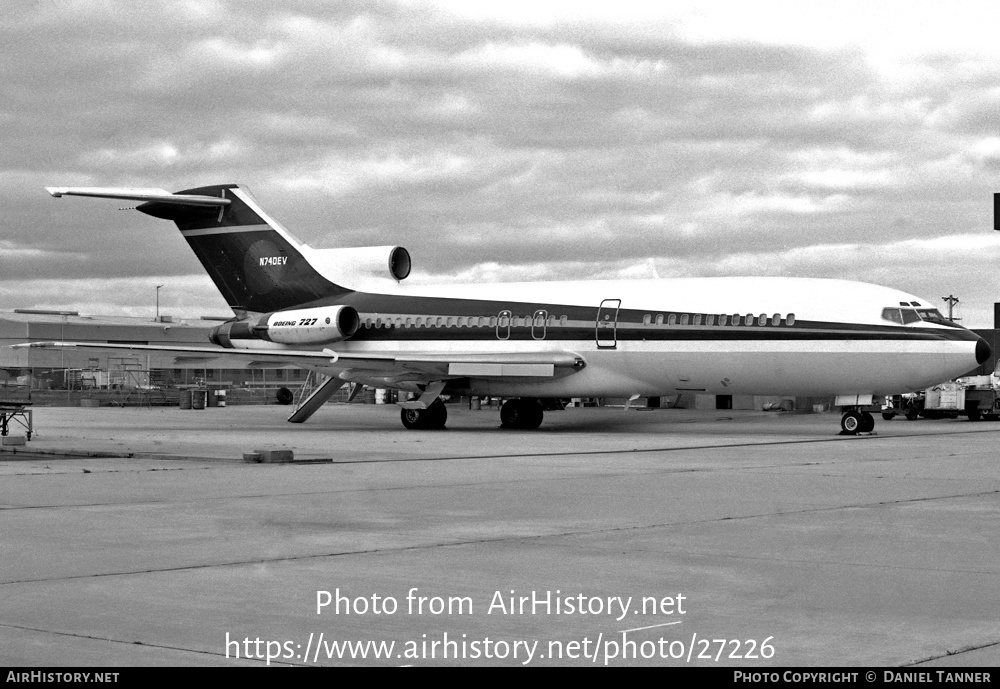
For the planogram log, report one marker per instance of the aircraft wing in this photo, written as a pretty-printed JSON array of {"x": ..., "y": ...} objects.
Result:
[{"x": 377, "y": 367}]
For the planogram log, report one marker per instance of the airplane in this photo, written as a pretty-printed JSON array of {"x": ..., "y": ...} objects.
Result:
[{"x": 349, "y": 314}]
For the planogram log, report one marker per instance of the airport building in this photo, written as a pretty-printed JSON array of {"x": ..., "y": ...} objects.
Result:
[{"x": 107, "y": 374}]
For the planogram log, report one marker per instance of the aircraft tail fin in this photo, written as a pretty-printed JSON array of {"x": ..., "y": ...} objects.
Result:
[{"x": 257, "y": 264}]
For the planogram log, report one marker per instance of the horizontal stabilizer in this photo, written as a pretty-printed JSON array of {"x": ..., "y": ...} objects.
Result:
[{"x": 130, "y": 194}]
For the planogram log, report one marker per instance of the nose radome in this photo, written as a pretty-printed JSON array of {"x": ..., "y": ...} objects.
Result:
[{"x": 983, "y": 351}]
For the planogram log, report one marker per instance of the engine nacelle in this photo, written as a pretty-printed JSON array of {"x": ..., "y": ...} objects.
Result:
[
  {"x": 314, "y": 326},
  {"x": 355, "y": 266}
]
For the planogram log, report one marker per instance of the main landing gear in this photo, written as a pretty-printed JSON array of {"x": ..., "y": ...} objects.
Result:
[
  {"x": 854, "y": 422},
  {"x": 524, "y": 414},
  {"x": 433, "y": 417},
  {"x": 521, "y": 413}
]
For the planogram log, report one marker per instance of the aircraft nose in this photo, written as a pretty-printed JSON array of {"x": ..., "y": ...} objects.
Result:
[{"x": 983, "y": 351}]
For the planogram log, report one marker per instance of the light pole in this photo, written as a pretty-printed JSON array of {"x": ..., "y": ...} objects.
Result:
[
  {"x": 158, "y": 303},
  {"x": 952, "y": 301}
]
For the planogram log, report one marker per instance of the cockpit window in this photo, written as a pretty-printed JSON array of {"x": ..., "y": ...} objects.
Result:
[
  {"x": 904, "y": 316},
  {"x": 931, "y": 315},
  {"x": 892, "y": 315}
]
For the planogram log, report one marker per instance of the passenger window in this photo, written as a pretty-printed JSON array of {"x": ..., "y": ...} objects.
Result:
[
  {"x": 790, "y": 319},
  {"x": 776, "y": 319},
  {"x": 696, "y": 319},
  {"x": 672, "y": 319},
  {"x": 684, "y": 319},
  {"x": 762, "y": 319},
  {"x": 748, "y": 320},
  {"x": 647, "y": 319},
  {"x": 659, "y": 319}
]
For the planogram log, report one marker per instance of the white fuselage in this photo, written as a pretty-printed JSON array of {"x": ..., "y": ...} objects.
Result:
[{"x": 837, "y": 343}]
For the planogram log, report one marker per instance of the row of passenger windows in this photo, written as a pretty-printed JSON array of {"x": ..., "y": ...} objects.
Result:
[
  {"x": 717, "y": 319},
  {"x": 463, "y": 321},
  {"x": 552, "y": 321}
]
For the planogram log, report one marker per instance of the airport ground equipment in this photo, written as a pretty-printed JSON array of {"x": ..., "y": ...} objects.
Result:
[
  {"x": 14, "y": 403},
  {"x": 975, "y": 397},
  {"x": 981, "y": 397},
  {"x": 14, "y": 412}
]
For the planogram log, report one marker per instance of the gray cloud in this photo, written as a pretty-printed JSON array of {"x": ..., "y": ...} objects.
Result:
[{"x": 575, "y": 146}]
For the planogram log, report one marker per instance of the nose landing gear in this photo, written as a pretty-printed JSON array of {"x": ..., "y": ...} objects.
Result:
[{"x": 854, "y": 422}]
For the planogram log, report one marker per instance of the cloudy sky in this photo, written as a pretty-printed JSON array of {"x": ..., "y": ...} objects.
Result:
[{"x": 507, "y": 141}]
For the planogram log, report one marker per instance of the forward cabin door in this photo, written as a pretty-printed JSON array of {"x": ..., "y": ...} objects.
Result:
[{"x": 607, "y": 324}]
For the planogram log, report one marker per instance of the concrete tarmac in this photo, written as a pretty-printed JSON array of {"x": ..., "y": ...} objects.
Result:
[{"x": 137, "y": 537}]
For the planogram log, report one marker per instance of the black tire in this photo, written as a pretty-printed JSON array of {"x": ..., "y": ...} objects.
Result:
[
  {"x": 974, "y": 415},
  {"x": 867, "y": 422},
  {"x": 434, "y": 417},
  {"x": 533, "y": 414},
  {"x": 510, "y": 413},
  {"x": 851, "y": 422},
  {"x": 284, "y": 396},
  {"x": 413, "y": 419},
  {"x": 524, "y": 414},
  {"x": 437, "y": 415},
  {"x": 888, "y": 415}
]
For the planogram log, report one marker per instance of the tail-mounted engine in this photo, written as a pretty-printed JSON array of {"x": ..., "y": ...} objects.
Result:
[
  {"x": 355, "y": 266},
  {"x": 313, "y": 326}
]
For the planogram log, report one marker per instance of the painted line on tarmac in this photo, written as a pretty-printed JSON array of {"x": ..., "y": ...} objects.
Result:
[
  {"x": 141, "y": 644},
  {"x": 524, "y": 537}
]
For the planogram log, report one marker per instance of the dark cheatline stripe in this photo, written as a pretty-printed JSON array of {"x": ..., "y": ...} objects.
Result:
[
  {"x": 629, "y": 324},
  {"x": 677, "y": 334}
]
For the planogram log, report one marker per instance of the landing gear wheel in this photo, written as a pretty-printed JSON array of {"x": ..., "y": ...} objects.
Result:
[
  {"x": 435, "y": 416},
  {"x": 851, "y": 422},
  {"x": 525, "y": 414},
  {"x": 867, "y": 422},
  {"x": 284, "y": 396},
  {"x": 412, "y": 418}
]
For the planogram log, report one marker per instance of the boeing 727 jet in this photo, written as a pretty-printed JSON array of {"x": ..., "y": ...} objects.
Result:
[{"x": 349, "y": 314}]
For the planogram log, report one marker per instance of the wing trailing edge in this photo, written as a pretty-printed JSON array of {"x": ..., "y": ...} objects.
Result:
[{"x": 409, "y": 365}]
